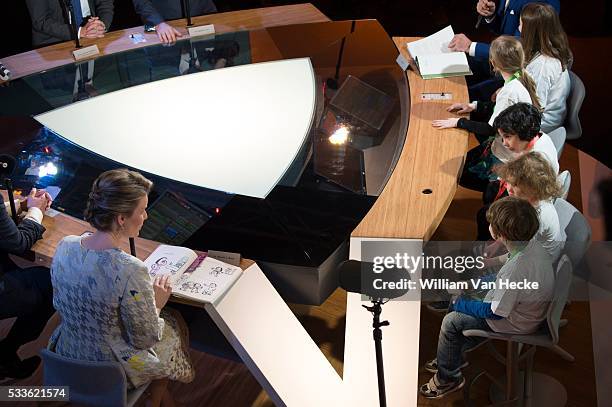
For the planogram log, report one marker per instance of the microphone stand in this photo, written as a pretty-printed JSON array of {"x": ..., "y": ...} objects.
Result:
[
  {"x": 187, "y": 7},
  {"x": 72, "y": 19},
  {"x": 376, "y": 309},
  {"x": 9, "y": 189},
  {"x": 332, "y": 83}
]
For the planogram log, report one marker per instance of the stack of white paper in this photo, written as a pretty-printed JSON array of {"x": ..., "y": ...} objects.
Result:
[{"x": 435, "y": 60}]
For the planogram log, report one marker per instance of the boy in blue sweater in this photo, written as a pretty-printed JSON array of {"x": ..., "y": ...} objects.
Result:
[{"x": 513, "y": 222}]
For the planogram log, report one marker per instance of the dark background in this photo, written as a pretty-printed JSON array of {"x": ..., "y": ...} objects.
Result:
[{"x": 587, "y": 23}]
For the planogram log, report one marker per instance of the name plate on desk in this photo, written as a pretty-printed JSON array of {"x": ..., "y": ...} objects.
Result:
[
  {"x": 201, "y": 30},
  {"x": 226, "y": 257},
  {"x": 402, "y": 62},
  {"x": 86, "y": 52}
]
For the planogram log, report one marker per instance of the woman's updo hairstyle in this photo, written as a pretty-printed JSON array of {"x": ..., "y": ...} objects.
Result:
[{"x": 114, "y": 193}]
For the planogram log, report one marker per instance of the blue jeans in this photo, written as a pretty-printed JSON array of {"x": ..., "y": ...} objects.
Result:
[{"x": 452, "y": 344}]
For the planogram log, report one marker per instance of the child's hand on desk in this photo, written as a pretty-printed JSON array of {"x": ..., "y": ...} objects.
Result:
[
  {"x": 461, "y": 108},
  {"x": 162, "y": 290},
  {"x": 445, "y": 123}
]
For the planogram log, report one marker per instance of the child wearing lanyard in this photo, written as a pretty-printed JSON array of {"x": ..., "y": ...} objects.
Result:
[
  {"x": 514, "y": 222},
  {"x": 508, "y": 59},
  {"x": 518, "y": 131},
  {"x": 532, "y": 178}
]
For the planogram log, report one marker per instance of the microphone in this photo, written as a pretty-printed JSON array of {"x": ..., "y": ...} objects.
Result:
[
  {"x": 187, "y": 8},
  {"x": 5, "y": 74},
  {"x": 479, "y": 21},
  {"x": 7, "y": 165},
  {"x": 359, "y": 277}
]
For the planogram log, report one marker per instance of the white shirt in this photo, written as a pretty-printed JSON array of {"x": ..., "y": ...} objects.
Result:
[
  {"x": 511, "y": 93},
  {"x": 544, "y": 145},
  {"x": 552, "y": 87},
  {"x": 85, "y": 8},
  {"x": 550, "y": 234},
  {"x": 523, "y": 310},
  {"x": 33, "y": 213},
  {"x": 86, "y": 13}
]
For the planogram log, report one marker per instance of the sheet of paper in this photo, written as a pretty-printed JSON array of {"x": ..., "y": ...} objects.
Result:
[{"x": 434, "y": 44}]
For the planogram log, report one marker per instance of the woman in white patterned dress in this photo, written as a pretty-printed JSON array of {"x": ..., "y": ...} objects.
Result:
[{"x": 109, "y": 307}]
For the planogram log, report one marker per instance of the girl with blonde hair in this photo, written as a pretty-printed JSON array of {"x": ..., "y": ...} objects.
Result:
[{"x": 508, "y": 59}]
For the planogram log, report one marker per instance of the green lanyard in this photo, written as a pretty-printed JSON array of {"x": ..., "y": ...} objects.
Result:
[
  {"x": 514, "y": 76},
  {"x": 514, "y": 253}
]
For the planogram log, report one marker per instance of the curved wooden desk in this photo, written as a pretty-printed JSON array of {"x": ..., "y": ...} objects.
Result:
[
  {"x": 407, "y": 212},
  {"x": 429, "y": 160},
  {"x": 424, "y": 180},
  {"x": 117, "y": 41}
]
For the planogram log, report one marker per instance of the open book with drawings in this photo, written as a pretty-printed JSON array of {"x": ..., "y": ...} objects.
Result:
[{"x": 196, "y": 277}]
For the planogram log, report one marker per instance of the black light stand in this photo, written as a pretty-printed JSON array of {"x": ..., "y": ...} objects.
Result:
[
  {"x": 72, "y": 22},
  {"x": 376, "y": 309},
  {"x": 356, "y": 277}
]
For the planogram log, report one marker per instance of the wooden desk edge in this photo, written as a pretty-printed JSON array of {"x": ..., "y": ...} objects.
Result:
[
  {"x": 56, "y": 55},
  {"x": 373, "y": 224}
]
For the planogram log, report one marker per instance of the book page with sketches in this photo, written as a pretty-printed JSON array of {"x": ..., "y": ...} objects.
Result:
[
  {"x": 170, "y": 260},
  {"x": 434, "y": 44},
  {"x": 208, "y": 282}
]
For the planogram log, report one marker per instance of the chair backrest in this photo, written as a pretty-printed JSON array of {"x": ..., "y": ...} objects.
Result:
[
  {"x": 574, "y": 104},
  {"x": 90, "y": 383},
  {"x": 577, "y": 230},
  {"x": 563, "y": 280},
  {"x": 565, "y": 180},
  {"x": 558, "y": 136}
]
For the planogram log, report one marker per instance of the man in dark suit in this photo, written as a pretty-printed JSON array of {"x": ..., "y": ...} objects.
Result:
[
  {"x": 157, "y": 12},
  {"x": 503, "y": 18},
  {"x": 24, "y": 293},
  {"x": 50, "y": 21}
]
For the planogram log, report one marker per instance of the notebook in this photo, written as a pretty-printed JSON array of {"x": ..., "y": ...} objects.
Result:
[
  {"x": 435, "y": 60},
  {"x": 196, "y": 277}
]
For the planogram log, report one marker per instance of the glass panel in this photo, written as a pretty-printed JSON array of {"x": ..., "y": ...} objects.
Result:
[{"x": 357, "y": 135}]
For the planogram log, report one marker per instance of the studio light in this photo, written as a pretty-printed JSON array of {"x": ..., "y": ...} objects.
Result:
[{"x": 340, "y": 136}]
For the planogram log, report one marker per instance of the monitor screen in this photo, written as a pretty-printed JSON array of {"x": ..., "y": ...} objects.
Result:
[{"x": 172, "y": 219}]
